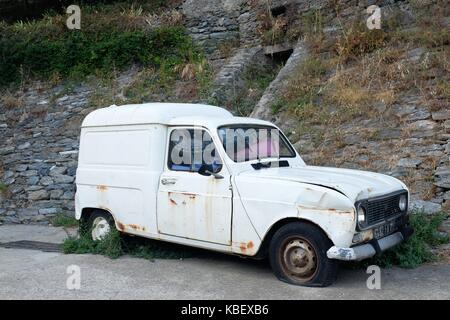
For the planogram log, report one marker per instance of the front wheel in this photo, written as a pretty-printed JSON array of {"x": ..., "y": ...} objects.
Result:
[
  {"x": 100, "y": 224},
  {"x": 298, "y": 255}
]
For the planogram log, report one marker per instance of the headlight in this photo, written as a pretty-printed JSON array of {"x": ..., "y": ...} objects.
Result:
[
  {"x": 361, "y": 214},
  {"x": 402, "y": 202}
]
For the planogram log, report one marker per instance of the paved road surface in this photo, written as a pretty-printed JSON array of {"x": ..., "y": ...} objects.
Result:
[{"x": 33, "y": 274}]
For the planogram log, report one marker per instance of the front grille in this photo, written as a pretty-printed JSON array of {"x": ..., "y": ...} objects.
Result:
[{"x": 382, "y": 208}]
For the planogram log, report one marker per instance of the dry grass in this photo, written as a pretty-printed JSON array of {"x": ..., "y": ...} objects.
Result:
[
  {"x": 357, "y": 40},
  {"x": 167, "y": 18},
  {"x": 227, "y": 47},
  {"x": 10, "y": 101}
]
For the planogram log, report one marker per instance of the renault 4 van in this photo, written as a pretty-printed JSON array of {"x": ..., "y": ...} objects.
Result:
[{"x": 198, "y": 176}]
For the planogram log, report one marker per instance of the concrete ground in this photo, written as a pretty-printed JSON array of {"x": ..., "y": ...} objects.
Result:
[{"x": 30, "y": 274}]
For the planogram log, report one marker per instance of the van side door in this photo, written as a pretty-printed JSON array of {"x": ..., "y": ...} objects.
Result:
[{"x": 191, "y": 205}]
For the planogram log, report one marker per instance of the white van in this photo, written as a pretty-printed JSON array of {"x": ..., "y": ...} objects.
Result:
[{"x": 142, "y": 169}]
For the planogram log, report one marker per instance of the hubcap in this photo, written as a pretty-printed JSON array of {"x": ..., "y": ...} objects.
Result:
[
  {"x": 298, "y": 259},
  {"x": 100, "y": 228}
]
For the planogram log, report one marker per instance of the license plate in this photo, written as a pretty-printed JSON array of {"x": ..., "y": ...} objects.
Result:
[{"x": 385, "y": 229}]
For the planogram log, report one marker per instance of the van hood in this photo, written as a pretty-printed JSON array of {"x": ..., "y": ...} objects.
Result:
[{"x": 355, "y": 184}]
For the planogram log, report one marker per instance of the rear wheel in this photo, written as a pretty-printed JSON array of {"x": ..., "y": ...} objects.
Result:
[
  {"x": 99, "y": 225},
  {"x": 298, "y": 255}
]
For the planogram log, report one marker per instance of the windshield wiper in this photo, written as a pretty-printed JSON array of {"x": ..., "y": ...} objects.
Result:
[
  {"x": 270, "y": 164},
  {"x": 260, "y": 165}
]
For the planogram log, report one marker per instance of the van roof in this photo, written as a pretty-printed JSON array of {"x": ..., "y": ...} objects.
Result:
[{"x": 158, "y": 113}]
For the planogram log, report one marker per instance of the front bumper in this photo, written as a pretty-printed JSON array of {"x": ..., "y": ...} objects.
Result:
[{"x": 374, "y": 247}]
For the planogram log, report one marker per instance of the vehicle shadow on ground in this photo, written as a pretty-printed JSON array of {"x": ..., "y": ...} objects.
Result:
[
  {"x": 154, "y": 249},
  {"x": 351, "y": 274}
]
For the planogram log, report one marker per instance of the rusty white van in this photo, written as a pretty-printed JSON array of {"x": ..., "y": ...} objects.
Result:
[{"x": 198, "y": 176}]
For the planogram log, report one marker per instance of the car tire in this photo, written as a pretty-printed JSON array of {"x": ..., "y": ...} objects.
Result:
[
  {"x": 99, "y": 225},
  {"x": 298, "y": 255}
]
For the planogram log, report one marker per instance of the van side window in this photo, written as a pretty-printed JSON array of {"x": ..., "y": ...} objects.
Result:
[{"x": 189, "y": 149}]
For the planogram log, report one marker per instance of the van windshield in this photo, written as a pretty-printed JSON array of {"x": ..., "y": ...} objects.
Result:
[{"x": 254, "y": 142}]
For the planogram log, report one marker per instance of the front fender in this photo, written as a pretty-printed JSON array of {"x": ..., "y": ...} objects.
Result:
[
  {"x": 330, "y": 210},
  {"x": 276, "y": 200}
]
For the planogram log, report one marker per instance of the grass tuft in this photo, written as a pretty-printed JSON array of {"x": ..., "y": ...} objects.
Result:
[
  {"x": 115, "y": 245},
  {"x": 110, "y": 246},
  {"x": 63, "y": 220},
  {"x": 418, "y": 248},
  {"x": 108, "y": 40}
]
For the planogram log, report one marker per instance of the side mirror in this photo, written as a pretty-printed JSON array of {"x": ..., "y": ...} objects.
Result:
[{"x": 209, "y": 170}]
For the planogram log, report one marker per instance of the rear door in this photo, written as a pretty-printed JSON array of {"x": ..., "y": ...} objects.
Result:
[{"x": 191, "y": 205}]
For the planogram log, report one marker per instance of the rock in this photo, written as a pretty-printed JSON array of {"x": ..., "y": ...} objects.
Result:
[
  {"x": 44, "y": 172},
  {"x": 442, "y": 177},
  {"x": 46, "y": 181},
  {"x": 447, "y": 196},
  {"x": 38, "y": 195},
  {"x": 7, "y": 175},
  {"x": 441, "y": 115},
  {"x": 7, "y": 150},
  {"x": 21, "y": 167},
  {"x": 10, "y": 220},
  {"x": 49, "y": 211},
  {"x": 389, "y": 133},
  {"x": 423, "y": 128},
  {"x": 27, "y": 212},
  {"x": 68, "y": 195},
  {"x": 65, "y": 153},
  {"x": 38, "y": 218},
  {"x": 352, "y": 139},
  {"x": 23, "y": 146},
  {"x": 32, "y": 180},
  {"x": 63, "y": 179},
  {"x": 56, "y": 194},
  {"x": 427, "y": 207},
  {"x": 33, "y": 188},
  {"x": 447, "y": 125},
  {"x": 9, "y": 181},
  {"x": 54, "y": 171},
  {"x": 414, "y": 54},
  {"x": 16, "y": 189},
  {"x": 409, "y": 163},
  {"x": 419, "y": 114},
  {"x": 71, "y": 171},
  {"x": 29, "y": 173}
]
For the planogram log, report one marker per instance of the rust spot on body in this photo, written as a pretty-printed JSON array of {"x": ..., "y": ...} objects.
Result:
[
  {"x": 245, "y": 246},
  {"x": 136, "y": 227},
  {"x": 173, "y": 202},
  {"x": 120, "y": 226},
  {"x": 102, "y": 188},
  {"x": 190, "y": 195}
]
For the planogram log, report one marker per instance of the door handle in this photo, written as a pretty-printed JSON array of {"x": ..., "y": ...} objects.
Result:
[{"x": 168, "y": 181}]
